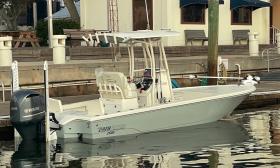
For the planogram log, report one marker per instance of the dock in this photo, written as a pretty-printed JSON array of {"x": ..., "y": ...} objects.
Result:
[{"x": 267, "y": 93}]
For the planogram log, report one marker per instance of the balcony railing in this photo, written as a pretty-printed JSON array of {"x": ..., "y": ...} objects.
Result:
[
  {"x": 3, "y": 91},
  {"x": 270, "y": 54},
  {"x": 275, "y": 31}
]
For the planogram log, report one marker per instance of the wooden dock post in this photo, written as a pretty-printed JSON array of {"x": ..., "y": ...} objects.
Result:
[{"x": 213, "y": 30}]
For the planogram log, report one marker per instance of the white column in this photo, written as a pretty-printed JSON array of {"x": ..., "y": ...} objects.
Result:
[
  {"x": 253, "y": 44},
  {"x": 59, "y": 49},
  {"x": 35, "y": 18},
  {"x": 50, "y": 22},
  {"x": 6, "y": 51}
]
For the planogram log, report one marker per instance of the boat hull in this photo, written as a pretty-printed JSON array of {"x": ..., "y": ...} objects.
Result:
[{"x": 193, "y": 113}]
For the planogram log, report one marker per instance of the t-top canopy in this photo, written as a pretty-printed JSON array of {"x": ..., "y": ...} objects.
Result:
[
  {"x": 184, "y": 3},
  {"x": 255, "y": 4},
  {"x": 141, "y": 34}
]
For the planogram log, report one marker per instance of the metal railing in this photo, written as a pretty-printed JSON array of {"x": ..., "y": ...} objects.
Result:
[
  {"x": 267, "y": 53},
  {"x": 275, "y": 31},
  {"x": 3, "y": 91}
]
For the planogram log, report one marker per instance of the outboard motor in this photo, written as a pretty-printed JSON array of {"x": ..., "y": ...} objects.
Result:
[{"x": 28, "y": 114}]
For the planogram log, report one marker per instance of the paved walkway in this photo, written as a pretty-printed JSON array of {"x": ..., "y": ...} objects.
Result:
[{"x": 265, "y": 86}]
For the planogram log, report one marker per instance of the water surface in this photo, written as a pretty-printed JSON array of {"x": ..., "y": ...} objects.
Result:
[{"x": 250, "y": 139}]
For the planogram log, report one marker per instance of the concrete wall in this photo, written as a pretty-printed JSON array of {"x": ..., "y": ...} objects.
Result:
[
  {"x": 276, "y": 13},
  {"x": 167, "y": 14},
  {"x": 32, "y": 73}
]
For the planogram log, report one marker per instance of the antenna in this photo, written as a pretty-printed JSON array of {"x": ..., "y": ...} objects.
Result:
[
  {"x": 113, "y": 25},
  {"x": 147, "y": 15}
]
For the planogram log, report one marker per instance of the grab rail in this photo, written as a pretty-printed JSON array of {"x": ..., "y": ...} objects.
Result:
[
  {"x": 3, "y": 91},
  {"x": 267, "y": 52},
  {"x": 110, "y": 89},
  {"x": 238, "y": 69}
]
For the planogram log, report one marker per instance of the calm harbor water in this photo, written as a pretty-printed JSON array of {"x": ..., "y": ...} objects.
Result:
[{"x": 245, "y": 140}]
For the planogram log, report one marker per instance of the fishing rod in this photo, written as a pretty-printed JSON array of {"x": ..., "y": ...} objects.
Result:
[
  {"x": 211, "y": 77},
  {"x": 249, "y": 79}
]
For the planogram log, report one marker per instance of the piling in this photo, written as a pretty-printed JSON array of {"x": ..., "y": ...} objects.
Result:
[
  {"x": 59, "y": 49},
  {"x": 253, "y": 44},
  {"x": 213, "y": 30}
]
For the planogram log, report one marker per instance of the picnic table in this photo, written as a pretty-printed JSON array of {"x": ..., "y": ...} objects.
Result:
[
  {"x": 26, "y": 37},
  {"x": 9, "y": 33}
]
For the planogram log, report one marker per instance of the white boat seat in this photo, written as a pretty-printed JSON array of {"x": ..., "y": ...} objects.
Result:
[
  {"x": 55, "y": 105},
  {"x": 115, "y": 85}
]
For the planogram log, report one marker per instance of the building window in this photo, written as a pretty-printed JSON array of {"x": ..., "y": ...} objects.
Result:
[
  {"x": 193, "y": 14},
  {"x": 241, "y": 16}
]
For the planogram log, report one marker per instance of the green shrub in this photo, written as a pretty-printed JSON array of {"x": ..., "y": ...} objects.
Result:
[{"x": 58, "y": 26}]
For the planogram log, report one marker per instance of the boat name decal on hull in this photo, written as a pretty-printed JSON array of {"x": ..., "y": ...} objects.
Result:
[{"x": 109, "y": 130}]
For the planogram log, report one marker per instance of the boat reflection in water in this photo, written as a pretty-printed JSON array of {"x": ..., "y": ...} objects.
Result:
[
  {"x": 151, "y": 148},
  {"x": 275, "y": 133},
  {"x": 254, "y": 143},
  {"x": 130, "y": 150}
]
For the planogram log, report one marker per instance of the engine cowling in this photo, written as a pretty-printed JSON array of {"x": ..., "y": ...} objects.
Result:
[{"x": 27, "y": 113}]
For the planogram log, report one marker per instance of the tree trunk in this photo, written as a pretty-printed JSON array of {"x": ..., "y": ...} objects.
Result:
[
  {"x": 72, "y": 10},
  {"x": 11, "y": 13},
  {"x": 213, "y": 29},
  {"x": 12, "y": 24},
  {"x": 11, "y": 21}
]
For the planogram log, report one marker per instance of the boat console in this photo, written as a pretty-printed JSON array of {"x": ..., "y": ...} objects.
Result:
[
  {"x": 146, "y": 81},
  {"x": 116, "y": 93}
]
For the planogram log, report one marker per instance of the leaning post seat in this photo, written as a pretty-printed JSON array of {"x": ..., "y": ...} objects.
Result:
[
  {"x": 116, "y": 93},
  {"x": 115, "y": 85}
]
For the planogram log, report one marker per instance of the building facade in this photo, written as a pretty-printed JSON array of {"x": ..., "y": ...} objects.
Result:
[
  {"x": 180, "y": 15},
  {"x": 275, "y": 13}
]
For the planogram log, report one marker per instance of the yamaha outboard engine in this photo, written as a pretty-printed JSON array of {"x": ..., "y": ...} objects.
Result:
[{"x": 28, "y": 114}]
